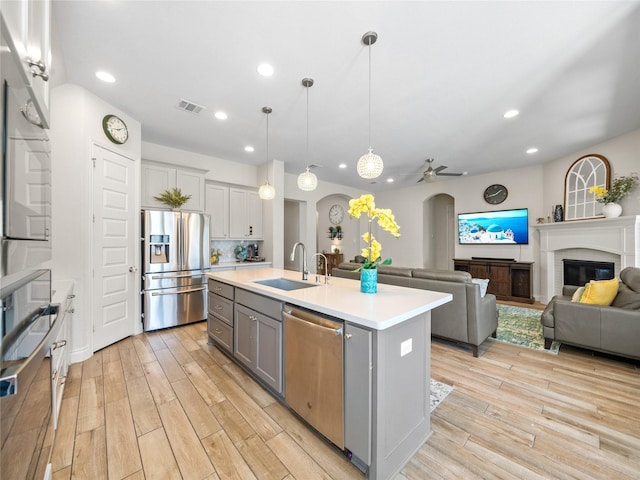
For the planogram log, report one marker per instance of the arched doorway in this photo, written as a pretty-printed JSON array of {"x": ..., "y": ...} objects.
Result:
[{"x": 439, "y": 231}]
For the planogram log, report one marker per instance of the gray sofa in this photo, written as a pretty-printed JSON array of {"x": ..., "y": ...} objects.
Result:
[
  {"x": 469, "y": 318},
  {"x": 611, "y": 329}
]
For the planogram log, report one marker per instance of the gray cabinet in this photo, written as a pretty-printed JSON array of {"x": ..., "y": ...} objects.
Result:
[
  {"x": 258, "y": 345},
  {"x": 217, "y": 205},
  {"x": 220, "y": 314},
  {"x": 28, "y": 23},
  {"x": 245, "y": 215},
  {"x": 158, "y": 177},
  {"x": 258, "y": 337},
  {"x": 358, "y": 368}
]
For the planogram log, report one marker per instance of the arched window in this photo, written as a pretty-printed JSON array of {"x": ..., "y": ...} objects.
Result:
[{"x": 584, "y": 173}]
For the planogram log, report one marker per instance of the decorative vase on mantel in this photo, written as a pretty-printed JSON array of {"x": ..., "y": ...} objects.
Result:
[
  {"x": 369, "y": 280},
  {"x": 611, "y": 210}
]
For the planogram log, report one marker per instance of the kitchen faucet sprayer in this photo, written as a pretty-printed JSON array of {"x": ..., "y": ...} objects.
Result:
[
  {"x": 305, "y": 270},
  {"x": 326, "y": 267}
]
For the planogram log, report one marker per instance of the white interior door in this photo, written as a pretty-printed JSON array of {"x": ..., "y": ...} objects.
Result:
[{"x": 115, "y": 276}]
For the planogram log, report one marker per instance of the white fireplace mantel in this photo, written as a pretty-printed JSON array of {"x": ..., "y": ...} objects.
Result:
[{"x": 619, "y": 236}]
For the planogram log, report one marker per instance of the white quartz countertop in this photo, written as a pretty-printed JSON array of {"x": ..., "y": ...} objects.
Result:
[{"x": 341, "y": 298}]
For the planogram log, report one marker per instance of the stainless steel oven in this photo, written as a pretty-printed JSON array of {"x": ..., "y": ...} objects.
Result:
[
  {"x": 25, "y": 176},
  {"x": 29, "y": 328}
]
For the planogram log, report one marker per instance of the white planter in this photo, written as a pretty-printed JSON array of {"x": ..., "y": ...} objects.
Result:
[{"x": 611, "y": 210}]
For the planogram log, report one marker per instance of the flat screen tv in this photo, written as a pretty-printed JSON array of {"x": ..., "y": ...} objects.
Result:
[{"x": 499, "y": 227}]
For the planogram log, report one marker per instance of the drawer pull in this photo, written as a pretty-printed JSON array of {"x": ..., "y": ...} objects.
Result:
[
  {"x": 217, "y": 307},
  {"x": 59, "y": 344},
  {"x": 218, "y": 331},
  {"x": 217, "y": 289}
]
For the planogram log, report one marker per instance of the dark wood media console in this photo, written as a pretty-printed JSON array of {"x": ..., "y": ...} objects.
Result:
[{"x": 508, "y": 280}]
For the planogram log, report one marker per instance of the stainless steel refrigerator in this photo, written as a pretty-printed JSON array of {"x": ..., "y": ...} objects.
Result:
[{"x": 175, "y": 249}]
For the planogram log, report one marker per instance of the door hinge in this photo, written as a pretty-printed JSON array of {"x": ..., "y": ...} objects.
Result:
[{"x": 94, "y": 162}]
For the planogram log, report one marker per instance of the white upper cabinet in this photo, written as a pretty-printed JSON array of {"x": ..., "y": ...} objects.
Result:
[
  {"x": 245, "y": 214},
  {"x": 157, "y": 177},
  {"x": 217, "y": 205},
  {"x": 29, "y": 25}
]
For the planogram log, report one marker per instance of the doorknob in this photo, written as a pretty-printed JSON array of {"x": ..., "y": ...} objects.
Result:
[{"x": 133, "y": 269}]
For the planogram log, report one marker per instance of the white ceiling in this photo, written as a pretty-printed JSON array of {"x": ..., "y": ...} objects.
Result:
[{"x": 443, "y": 74}]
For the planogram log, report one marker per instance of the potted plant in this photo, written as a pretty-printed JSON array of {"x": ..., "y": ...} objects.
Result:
[
  {"x": 385, "y": 218},
  {"x": 173, "y": 197},
  {"x": 620, "y": 187}
]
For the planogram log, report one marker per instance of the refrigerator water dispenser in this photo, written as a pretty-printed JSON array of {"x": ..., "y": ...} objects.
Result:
[{"x": 159, "y": 248}]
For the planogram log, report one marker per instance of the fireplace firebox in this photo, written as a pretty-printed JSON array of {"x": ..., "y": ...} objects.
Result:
[{"x": 579, "y": 272}]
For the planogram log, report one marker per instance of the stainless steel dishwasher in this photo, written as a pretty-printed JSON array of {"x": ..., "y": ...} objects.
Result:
[{"x": 313, "y": 370}]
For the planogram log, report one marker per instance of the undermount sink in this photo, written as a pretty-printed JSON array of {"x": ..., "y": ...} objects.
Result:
[{"x": 284, "y": 283}]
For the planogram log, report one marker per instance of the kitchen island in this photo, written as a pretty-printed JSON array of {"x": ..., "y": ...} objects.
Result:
[{"x": 385, "y": 339}]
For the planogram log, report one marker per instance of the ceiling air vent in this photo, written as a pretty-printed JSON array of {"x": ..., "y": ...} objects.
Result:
[{"x": 188, "y": 106}]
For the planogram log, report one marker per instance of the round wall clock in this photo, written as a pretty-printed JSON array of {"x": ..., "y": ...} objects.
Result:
[
  {"x": 495, "y": 194},
  {"x": 336, "y": 214},
  {"x": 115, "y": 129}
]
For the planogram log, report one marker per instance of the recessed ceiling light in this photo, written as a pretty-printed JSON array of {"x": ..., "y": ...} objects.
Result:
[
  {"x": 389, "y": 180},
  {"x": 220, "y": 115},
  {"x": 249, "y": 148},
  {"x": 532, "y": 150},
  {"x": 265, "y": 70},
  {"x": 342, "y": 165},
  {"x": 511, "y": 113},
  {"x": 105, "y": 76}
]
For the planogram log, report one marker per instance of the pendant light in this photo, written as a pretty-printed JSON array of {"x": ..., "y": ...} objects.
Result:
[
  {"x": 370, "y": 165},
  {"x": 267, "y": 191},
  {"x": 307, "y": 181}
]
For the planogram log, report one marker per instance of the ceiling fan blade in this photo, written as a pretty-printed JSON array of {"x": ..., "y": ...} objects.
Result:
[
  {"x": 440, "y": 168},
  {"x": 421, "y": 179},
  {"x": 449, "y": 174}
]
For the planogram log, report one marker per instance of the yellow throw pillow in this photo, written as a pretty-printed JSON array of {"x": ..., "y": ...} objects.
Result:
[{"x": 600, "y": 292}]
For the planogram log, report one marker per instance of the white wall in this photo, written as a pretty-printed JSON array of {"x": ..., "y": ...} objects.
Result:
[
  {"x": 309, "y": 201},
  {"x": 217, "y": 169},
  {"x": 350, "y": 245},
  {"x": 76, "y": 119},
  {"x": 623, "y": 153},
  {"x": 524, "y": 184},
  {"x": 537, "y": 188}
]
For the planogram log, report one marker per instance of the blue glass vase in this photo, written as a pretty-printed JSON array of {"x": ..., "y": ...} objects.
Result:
[{"x": 369, "y": 280}]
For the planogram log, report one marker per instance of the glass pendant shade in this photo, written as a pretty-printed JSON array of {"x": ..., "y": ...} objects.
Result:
[
  {"x": 370, "y": 165},
  {"x": 307, "y": 181},
  {"x": 267, "y": 191}
]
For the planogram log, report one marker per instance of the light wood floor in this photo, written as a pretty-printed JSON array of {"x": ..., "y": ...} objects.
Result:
[{"x": 166, "y": 405}]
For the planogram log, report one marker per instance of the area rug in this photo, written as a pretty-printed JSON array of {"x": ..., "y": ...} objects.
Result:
[
  {"x": 521, "y": 326},
  {"x": 439, "y": 392}
]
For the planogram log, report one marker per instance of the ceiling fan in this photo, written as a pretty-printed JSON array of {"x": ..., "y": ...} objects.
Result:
[{"x": 431, "y": 173}]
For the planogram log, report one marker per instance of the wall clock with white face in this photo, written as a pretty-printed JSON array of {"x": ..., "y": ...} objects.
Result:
[
  {"x": 115, "y": 129},
  {"x": 336, "y": 214}
]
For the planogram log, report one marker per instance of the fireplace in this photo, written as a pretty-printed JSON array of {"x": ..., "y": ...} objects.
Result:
[
  {"x": 579, "y": 272},
  {"x": 601, "y": 240}
]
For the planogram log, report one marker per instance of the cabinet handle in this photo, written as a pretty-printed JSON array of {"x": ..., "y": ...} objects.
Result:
[
  {"x": 217, "y": 330},
  {"x": 217, "y": 289},
  {"x": 59, "y": 344},
  {"x": 39, "y": 64},
  {"x": 43, "y": 75},
  {"x": 347, "y": 336},
  {"x": 217, "y": 307},
  {"x": 71, "y": 310},
  {"x": 253, "y": 318},
  {"x": 71, "y": 296}
]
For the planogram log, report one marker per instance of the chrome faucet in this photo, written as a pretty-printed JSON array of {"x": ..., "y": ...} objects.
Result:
[
  {"x": 305, "y": 269},
  {"x": 326, "y": 267}
]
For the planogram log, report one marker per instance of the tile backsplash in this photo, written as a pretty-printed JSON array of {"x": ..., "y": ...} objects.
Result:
[{"x": 227, "y": 247}]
